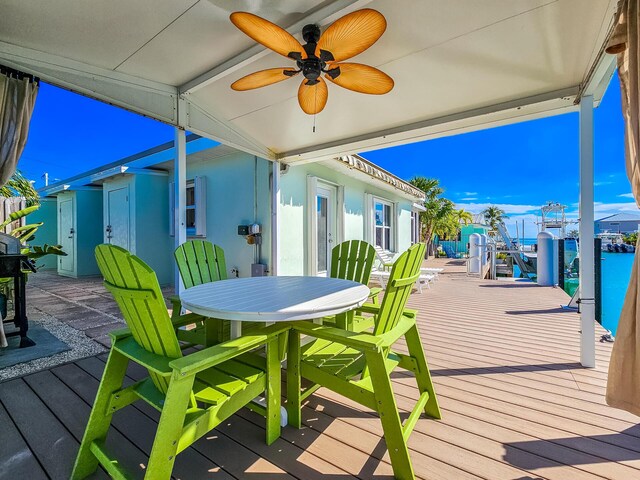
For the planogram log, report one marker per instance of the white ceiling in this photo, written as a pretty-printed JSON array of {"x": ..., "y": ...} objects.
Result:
[{"x": 457, "y": 65}]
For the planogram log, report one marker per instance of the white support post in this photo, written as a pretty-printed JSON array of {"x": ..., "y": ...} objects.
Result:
[
  {"x": 180, "y": 195},
  {"x": 275, "y": 222},
  {"x": 587, "y": 270}
]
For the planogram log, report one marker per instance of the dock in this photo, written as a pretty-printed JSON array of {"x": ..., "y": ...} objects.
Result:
[{"x": 504, "y": 355}]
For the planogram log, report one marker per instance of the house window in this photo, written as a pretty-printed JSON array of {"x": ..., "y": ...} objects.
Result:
[
  {"x": 191, "y": 208},
  {"x": 415, "y": 227},
  {"x": 196, "y": 203},
  {"x": 383, "y": 221}
]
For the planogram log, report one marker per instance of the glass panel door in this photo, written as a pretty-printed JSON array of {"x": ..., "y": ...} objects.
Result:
[
  {"x": 325, "y": 227},
  {"x": 323, "y": 241}
]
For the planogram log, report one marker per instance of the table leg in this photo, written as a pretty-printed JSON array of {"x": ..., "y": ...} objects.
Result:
[
  {"x": 236, "y": 329},
  {"x": 345, "y": 320},
  {"x": 236, "y": 332}
]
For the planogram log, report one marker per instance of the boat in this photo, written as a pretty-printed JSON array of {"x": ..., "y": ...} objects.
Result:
[
  {"x": 614, "y": 243},
  {"x": 570, "y": 252}
]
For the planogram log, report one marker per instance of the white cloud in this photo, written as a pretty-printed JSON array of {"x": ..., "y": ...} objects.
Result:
[
  {"x": 509, "y": 208},
  {"x": 470, "y": 194},
  {"x": 603, "y": 209},
  {"x": 600, "y": 184},
  {"x": 468, "y": 199},
  {"x": 626, "y": 195}
]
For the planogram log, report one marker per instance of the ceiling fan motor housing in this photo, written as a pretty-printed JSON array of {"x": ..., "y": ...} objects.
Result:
[{"x": 313, "y": 66}]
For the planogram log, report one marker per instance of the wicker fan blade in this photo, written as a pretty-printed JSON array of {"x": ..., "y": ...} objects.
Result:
[
  {"x": 362, "y": 78},
  {"x": 263, "y": 78},
  {"x": 313, "y": 98},
  {"x": 352, "y": 34},
  {"x": 268, "y": 34}
]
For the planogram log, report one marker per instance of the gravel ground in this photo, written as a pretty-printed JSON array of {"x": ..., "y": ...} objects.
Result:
[{"x": 81, "y": 347}]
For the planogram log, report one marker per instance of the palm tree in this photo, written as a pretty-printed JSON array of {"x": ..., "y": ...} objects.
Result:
[
  {"x": 19, "y": 186},
  {"x": 494, "y": 216},
  {"x": 438, "y": 209},
  {"x": 462, "y": 216}
]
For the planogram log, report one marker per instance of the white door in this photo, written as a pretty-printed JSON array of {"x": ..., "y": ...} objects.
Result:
[
  {"x": 117, "y": 228},
  {"x": 67, "y": 236},
  {"x": 326, "y": 227}
]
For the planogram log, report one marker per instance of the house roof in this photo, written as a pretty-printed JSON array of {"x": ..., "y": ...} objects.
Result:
[
  {"x": 199, "y": 148},
  {"x": 457, "y": 66},
  {"x": 363, "y": 165},
  {"x": 130, "y": 164},
  {"x": 621, "y": 217}
]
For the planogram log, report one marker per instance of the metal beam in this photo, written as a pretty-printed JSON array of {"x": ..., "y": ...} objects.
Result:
[
  {"x": 587, "y": 271},
  {"x": 528, "y": 108},
  {"x": 275, "y": 218},
  {"x": 145, "y": 97},
  {"x": 598, "y": 79},
  {"x": 320, "y": 15},
  {"x": 204, "y": 122},
  {"x": 180, "y": 192}
]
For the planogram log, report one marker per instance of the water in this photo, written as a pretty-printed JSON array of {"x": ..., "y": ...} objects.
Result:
[{"x": 616, "y": 272}]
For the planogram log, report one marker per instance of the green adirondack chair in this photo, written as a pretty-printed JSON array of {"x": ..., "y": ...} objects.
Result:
[
  {"x": 200, "y": 261},
  {"x": 353, "y": 260},
  {"x": 194, "y": 393},
  {"x": 358, "y": 365}
]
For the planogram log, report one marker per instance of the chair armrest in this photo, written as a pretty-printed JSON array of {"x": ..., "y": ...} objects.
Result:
[
  {"x": 360, "y": 341},
  {"x": 211, "y": 356},
  {"x": 187, "y": 319},
  {"x": 176, "y": 306},
  {"x": 119, "y": 334},
  {"x": 374, "y": 309},
  {"x": 392, "y": 336},
  {"x": 128, "y": 347}
]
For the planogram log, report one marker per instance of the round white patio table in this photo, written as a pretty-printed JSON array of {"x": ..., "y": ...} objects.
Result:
[{"x": 273, "y": 299}]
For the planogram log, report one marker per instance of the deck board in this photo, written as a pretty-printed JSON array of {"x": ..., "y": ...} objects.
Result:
[{"x": 504, "y": 357}]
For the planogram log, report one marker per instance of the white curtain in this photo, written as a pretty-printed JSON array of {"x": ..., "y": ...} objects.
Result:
[
  {"x": 623, "y": 384},
  {"x": 17, "y": 99}
]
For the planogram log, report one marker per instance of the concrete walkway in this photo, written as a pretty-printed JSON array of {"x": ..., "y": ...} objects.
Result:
[{"x": 83, "y": 304}]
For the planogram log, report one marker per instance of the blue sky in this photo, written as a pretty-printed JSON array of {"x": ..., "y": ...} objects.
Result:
[
  {"x": 517, "y": 167},
  {"x": 522, "y": 166}
]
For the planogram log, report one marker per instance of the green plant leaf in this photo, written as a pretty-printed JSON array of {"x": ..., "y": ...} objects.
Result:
[{"x": 18, "y": 215}]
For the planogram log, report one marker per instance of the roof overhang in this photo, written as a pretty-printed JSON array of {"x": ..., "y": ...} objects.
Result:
[
  {"x": 458, "y": 66},
  {"x": 136, "y": 164}
]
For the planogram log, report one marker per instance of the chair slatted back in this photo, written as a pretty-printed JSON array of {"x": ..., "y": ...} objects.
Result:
[
  {"x": 352, "y": 260},
  {"x": 135, "y": 287},
  {"x": 405, "y": 272},
  {"x": 200, "y": 262}
]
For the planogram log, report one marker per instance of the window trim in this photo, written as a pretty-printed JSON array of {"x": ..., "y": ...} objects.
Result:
[
  {"x": 199, "y": 184},
  {"x": 392, "y": 222}
]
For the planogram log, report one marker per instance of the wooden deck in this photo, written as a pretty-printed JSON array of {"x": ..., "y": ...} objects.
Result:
[{"x": 516, "y": 405}]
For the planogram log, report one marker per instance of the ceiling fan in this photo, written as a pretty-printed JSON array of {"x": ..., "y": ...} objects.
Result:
[{"x": 321, "y": 54}]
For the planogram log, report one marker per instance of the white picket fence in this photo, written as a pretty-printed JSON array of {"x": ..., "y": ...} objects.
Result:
[{"x": 9, "y": 206}]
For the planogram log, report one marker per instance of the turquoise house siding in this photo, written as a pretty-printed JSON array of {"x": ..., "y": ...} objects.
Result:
[
  {"x": 460, "y": 246},
  {"x": 87, "y": 225},
  {"x": 294, "y": 227},
  {"x": 47, "y": 233},
  {"x": 237, "y": 193},
  {"x": 147, "y": 210}
]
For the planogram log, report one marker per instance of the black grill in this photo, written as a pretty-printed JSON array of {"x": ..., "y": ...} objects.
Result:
[{"x": 13, "y": 265}]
